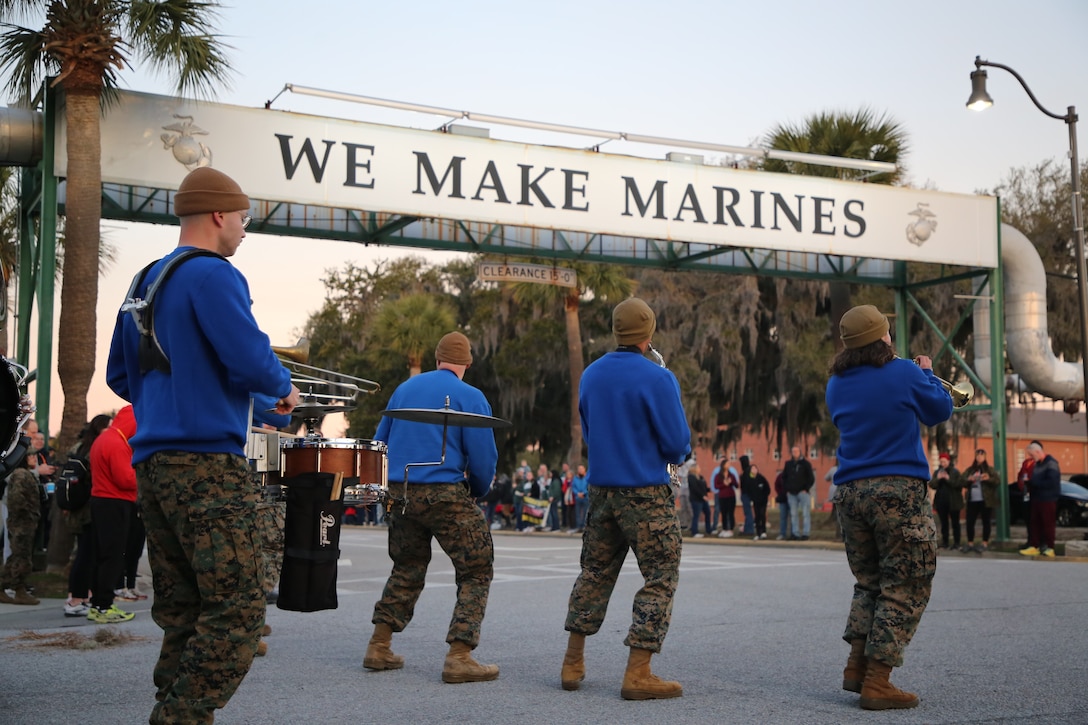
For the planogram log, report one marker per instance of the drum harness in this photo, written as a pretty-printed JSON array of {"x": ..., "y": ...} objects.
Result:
[{"x": 151, "y": 354}]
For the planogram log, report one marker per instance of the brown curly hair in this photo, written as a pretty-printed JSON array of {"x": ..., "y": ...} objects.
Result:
[{"x": 876, "y": 353}]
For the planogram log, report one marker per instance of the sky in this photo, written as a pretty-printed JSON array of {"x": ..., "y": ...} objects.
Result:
[{"x": 724, "y": 72}]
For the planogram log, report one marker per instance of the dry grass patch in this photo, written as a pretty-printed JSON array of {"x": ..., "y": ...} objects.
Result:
[{"x": 102, "y": 637}]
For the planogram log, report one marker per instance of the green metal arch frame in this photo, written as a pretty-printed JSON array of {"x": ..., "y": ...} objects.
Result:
[{"x": 37, "y": 265}]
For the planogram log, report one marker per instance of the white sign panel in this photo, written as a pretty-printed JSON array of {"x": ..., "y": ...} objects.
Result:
[
  {"x": 279, "y": 156},
  {"x": 539, "y": 273}
]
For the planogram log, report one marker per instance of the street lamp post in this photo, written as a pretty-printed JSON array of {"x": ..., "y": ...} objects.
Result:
[{"x": 979, "y": 101}]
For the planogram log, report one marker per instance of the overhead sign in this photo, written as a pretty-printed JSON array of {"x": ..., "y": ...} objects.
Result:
[
  {"x": 279, "y": 156},
  {"x": 539, "y": 273}
]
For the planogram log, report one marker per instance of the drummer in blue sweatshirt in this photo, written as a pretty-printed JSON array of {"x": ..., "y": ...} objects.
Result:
[{"x": 440, "y": 504}]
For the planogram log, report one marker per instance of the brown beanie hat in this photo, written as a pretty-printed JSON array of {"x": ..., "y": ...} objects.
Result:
[
  {"x": 206, "y": 190},
  {"x": 633, "y": 322},
  {"x": 454, "y": 348},
  {"x": 862, "y": 325}
]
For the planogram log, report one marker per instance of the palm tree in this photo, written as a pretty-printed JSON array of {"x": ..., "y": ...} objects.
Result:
[
  {"x": 604, "y": 281},
  {"x": 412, "y": 326},
  {"x": 85, "y": 43},
  {"x": 858, "y": 135}
]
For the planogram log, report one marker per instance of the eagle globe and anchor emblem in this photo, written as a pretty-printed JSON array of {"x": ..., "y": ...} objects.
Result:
[
  {"x": 189, "y": 152},
  {"x": 923, "y": 227}
]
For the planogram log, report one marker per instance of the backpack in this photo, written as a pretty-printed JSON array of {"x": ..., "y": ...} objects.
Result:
[{"x": 74, "y": 484}]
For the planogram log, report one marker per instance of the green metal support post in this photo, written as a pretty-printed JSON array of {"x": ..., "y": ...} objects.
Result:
[
  {"x": 997, "y": 389},
  {"x": 47, "y": 253}
]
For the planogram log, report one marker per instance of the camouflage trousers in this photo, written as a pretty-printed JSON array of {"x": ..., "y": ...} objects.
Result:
[
  {"x": 447, "y": 513},
  {"x": 271, "y": 517},
  {"x": 24, "y": 512},
  {"x": 643, "y": 520},
  {"x": 200, "y": 511},
  {"x": 891, "y": 544}
]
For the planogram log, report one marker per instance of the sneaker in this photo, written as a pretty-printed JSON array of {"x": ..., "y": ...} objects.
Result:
[
  {"x": 128, "y": 595},
  {"x": 780, "y": 537},
  {"x": 727, "y": 534},
  {"x": 698, "y": 536},
  {"x": 980, "y": 548},
  {"x": 113, "y": 615},
  {"x": 803, "y": 538},
  {"x": 966, "y": 547},
  {"x": 78, "y": 609},
  {"x": 1030, "y": 551},
  {"x": 1047, "y": 551},
  {"x": 763, "y": 536}
]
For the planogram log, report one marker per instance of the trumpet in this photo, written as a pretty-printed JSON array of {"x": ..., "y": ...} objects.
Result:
[{"x": 961, "y": 393}]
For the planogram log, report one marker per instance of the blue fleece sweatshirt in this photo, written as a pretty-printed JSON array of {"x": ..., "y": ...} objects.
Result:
[
  {"x": 470, "y": 452},
  {"x": 877, "y": 411},
  {"x": 633, "y": 421},
  {"x": 218, "y": 356}
]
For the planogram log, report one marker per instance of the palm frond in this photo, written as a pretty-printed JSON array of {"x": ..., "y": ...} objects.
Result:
[
  {"x": 23, "y": 62},
  {"x": 178, "y": 36}
]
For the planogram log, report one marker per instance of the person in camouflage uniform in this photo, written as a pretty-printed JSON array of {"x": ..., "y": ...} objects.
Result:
[
  {"x": 441, "y": 504},
  {"x": 189, "y": 369},
  {"x": 24, "y": 502},
  {"x": 876, "y": 401},
  {"x": 635, "y": 426}
]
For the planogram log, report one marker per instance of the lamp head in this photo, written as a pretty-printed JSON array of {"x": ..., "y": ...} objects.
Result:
[{"x": 980, "y": 100}]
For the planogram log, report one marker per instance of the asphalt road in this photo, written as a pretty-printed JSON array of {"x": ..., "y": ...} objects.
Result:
[{"x": 755, "y": 637}]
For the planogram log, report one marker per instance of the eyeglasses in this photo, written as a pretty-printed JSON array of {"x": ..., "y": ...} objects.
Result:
[{"x": 246, "y": 219}]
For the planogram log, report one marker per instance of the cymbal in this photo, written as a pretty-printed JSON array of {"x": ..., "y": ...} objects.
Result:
[
  {"x": 446, "y": 416},
  {"x": 316, "y": 410}
]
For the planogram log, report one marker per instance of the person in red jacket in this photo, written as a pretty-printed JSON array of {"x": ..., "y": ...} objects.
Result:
[{"x": 113, "y": 508}]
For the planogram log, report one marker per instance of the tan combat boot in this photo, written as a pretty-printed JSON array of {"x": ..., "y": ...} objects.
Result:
[
  {"x": 878, "y": 693},
  {"x": 22, "y": 596},
  {"x": 460, "y": 667},
  {"x": 641, "y": 684},
  {"x": 854, "y": 674},
  {"x": 378, "y": 655},
  {"x": 574, "y": 666}
]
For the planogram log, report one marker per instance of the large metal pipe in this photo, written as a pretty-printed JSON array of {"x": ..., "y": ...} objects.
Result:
[
  {"x": 20, "y": 137},
  {"x": 1027, "y": 341}
]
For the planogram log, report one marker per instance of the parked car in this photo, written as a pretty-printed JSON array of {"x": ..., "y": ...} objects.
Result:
[{"x": 1072, "y": 505}]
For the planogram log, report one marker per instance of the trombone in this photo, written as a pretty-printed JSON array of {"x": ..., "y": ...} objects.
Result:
[{"x": 322, "y": 391}]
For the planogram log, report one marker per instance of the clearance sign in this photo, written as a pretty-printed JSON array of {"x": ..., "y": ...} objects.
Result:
[
  {"x": 539, "y": 273},
  {"x": 278, "y": 156}
]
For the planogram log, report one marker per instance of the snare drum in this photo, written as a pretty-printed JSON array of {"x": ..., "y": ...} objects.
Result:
[{"x": 354, "y": 457}]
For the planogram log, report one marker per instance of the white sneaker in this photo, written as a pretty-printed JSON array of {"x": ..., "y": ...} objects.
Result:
[
  {"x": 727, "y": 534},
  {"x": 699, "y": 536},
  {"x": 125, "y": 595},
  {"x": 763, "y": 536},
  {"x": 78, "y": 609}
]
